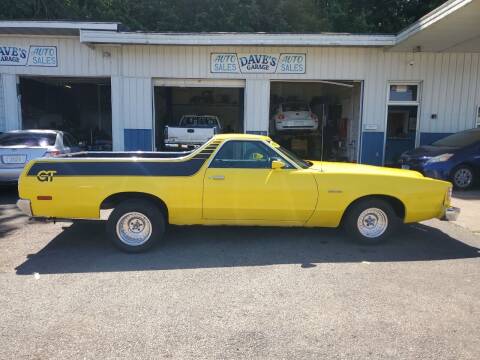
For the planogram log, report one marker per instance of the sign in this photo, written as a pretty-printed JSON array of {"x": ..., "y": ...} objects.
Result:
[
  {"x": 258, "y": 63},
  {"x": 28, "y": 56}
]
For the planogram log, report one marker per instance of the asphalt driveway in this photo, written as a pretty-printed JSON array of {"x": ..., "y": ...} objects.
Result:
[{"x": 230, "y": 292}]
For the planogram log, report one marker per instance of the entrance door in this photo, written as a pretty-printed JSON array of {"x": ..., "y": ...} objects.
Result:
[
  {"x": 240, "y": 185},
  {"x": 402, "y": 121}
]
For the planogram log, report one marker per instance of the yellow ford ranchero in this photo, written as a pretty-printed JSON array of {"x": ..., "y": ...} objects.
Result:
[{"x": 233, "y": 179}]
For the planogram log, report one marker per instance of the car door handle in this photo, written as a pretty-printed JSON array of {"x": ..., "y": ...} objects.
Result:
[{"x": 217, "y": 177}]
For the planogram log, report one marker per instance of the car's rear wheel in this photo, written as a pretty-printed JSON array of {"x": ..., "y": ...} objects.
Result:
[
  {"x": 370, "y": 221},
  {"x": 135, "y": 225},
  {"x": 463, "y": 177}
]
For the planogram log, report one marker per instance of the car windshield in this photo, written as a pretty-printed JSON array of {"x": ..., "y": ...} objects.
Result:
[
  {"x": 295, "y": 107},
  {"x": 27, "y": 139},
  {"x": 461, "y": 139},
  {"x": 297, "y": 160}
]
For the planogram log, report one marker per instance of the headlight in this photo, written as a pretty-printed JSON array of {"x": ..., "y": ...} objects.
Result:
[{"x": 439, "y": 158}]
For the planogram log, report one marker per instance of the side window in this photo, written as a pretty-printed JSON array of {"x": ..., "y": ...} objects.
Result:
[
  {"x": 245, "y": 155},
  {"x": 68, "y": 140}
]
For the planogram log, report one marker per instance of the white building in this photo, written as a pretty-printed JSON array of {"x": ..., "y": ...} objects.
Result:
[{"x": 377, "y": 95}]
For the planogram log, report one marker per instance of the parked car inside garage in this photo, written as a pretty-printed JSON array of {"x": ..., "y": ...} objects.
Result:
[
  {"x": 455, "y": 158},
  {"x": 295, "y": 116}
]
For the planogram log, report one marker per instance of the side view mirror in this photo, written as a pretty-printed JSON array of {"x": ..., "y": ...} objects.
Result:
[{"x": 277, "y": 164}]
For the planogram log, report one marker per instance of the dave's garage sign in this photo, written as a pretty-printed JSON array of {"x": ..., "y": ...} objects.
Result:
[
  {"x": 258, "y": 63},
  {"x": 28, "y": 56}
]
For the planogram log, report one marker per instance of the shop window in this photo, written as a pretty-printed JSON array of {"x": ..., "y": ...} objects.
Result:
[{"x": 403, "y": 92}]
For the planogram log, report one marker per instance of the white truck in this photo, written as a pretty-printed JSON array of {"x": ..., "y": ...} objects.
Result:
[{"x": 192, "y": 130}]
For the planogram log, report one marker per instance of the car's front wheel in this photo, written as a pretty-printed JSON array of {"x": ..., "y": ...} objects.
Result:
[
  {"x": 463, "y": 177},
  {"x": 135, "y": 225},
  {"x": 370, "y": 221}
]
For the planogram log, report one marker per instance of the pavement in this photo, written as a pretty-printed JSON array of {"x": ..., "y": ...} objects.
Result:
[
  {"x": 230, "y": 292},
  {"x": 469, "y": 203}
]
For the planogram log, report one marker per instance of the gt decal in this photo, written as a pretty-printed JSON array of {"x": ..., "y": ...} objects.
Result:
[{"x": 46, "y": 175}]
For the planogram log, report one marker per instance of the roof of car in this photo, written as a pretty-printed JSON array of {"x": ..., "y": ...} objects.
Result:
[{"x": 241, "y": 137}]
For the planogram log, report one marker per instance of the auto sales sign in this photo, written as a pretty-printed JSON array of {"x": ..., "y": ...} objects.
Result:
[
  {"x": 28, "y": 56},
  {"x": 257, "y": 63}
]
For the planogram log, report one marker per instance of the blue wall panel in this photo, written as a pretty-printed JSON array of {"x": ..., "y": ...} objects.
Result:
[
  {"x": 428, "y": 138},
  {"x": 137, "y": 139},
  {"x": 372, "y": 147}
]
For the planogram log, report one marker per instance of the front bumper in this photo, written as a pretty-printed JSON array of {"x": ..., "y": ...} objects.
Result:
[
  {"x": 451, "y": 214},
  {"x": 25, "y": 206}
]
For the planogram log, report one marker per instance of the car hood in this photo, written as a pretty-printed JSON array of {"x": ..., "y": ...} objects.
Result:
[
  {"x": 427, "y": 151},
  {"x": 349, "y": 168}
]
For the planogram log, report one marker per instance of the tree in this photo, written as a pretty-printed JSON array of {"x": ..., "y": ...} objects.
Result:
[{"x": 368, "y": 16}]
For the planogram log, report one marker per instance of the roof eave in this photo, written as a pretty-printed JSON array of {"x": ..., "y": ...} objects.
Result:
[{"x": 226, "y": 39}]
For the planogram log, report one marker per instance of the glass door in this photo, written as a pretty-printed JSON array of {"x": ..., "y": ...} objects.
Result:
[{"x": 402, "y": 121}]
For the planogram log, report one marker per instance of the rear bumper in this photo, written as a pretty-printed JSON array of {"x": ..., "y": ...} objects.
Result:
[
  {"x": 10, "y": 175},
  {"x": 25, "y": 206},
  {"x": 451, "y": 214}
]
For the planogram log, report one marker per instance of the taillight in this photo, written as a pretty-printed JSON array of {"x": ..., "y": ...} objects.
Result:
[
  {"x": 313, "y": 116},
  {"x": 280, "y": 117},
  {"x": 53, "y": 153}
]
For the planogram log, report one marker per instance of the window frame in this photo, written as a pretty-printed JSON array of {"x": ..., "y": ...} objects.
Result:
[{"x": 289, "y": 163}]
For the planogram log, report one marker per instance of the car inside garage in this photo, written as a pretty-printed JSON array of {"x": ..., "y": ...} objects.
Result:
[
  {"x": 317, "y": 119},
  {"x": 79, "y": 106},
  {"x": 185, "y": 106}
]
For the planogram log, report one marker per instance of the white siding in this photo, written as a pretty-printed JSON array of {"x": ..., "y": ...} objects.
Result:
[
  {"x": 450, "y": 81},
  {"x": 74, "y": 58},
  {"x": 10, "y": 102},
  {"x": 257, "y": 100},
  {"x": 2, "y": 105}
]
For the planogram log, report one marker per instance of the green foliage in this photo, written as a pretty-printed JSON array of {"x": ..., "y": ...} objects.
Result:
[{"x": 369, "y": 16}]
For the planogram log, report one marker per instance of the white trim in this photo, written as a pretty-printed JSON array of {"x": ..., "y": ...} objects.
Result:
[
  {"x": 222, "y": 83},
  {"x": 231, "y": 39},
  {"x": 59, "y": 25},
  {"x": 431, "y": 18},
  {"x": 388, "y": 103}
]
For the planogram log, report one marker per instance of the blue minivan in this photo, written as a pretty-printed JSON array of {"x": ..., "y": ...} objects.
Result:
[{"x": 455, "y": 158}]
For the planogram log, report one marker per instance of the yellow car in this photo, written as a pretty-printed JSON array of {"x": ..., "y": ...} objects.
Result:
[{"x": 233, "y": 179}]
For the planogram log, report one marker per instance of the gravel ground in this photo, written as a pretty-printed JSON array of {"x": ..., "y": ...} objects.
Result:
[{"x": 229, "y": 292}]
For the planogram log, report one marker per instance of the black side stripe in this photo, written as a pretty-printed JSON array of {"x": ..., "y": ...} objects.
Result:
[
  {"x": 85, "y": 168},
  {"x": 130, "y": 168}
]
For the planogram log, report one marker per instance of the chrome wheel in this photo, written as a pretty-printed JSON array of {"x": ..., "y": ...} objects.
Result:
[
  {"x": 372, "y": 222},
  {"x": 463, "y": 177},
  {"x": 134, "y": 229}
]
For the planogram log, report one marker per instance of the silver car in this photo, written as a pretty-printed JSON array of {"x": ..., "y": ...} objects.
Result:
[{"x": 18, "y": 147}]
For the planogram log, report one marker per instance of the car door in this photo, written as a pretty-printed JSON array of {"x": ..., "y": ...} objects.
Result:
[{"x": 240, "y": 184}]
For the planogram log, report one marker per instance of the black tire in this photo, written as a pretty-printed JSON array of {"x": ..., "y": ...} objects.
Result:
[
  {"x": 385, "y": 210},
  {"x": 463, "y": 177},
  {"x": 150, "y": 216}
]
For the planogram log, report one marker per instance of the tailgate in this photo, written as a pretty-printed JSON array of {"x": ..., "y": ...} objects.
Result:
[{"x": 189, "y": 135}]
